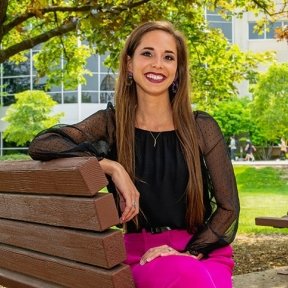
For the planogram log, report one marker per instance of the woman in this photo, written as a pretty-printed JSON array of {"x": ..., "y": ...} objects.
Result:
[{"x": 169, "y": 169}]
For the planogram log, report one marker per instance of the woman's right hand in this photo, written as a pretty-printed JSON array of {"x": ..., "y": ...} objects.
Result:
[{"x": 129, "y": 195}]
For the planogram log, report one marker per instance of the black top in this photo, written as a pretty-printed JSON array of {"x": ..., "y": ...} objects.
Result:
[
  {"x": 161, "y": 179},
  {"x": 161, "y": 174}
]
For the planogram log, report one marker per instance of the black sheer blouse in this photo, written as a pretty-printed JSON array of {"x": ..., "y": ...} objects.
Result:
[{"x": 161, "y": 172}]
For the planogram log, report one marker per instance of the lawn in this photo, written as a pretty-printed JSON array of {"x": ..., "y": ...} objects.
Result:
[{"x": 262, "y": 192}]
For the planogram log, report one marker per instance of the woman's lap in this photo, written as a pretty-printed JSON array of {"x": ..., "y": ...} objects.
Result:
[{"x": 177, "y": 271}]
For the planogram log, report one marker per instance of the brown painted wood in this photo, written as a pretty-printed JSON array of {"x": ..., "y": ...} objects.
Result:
[
  {"x": 277, "y": 222},
  {"x": 104, "y": 249},
  {"x": 64, "y": 272},
  {"x": 95, "y": 213},
  {"x": 67, "y": 176},
  {"x": 11, "y": 279}
]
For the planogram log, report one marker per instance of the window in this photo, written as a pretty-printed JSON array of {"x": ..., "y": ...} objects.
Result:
[
  {"x": 218, "y": 22},
  {"x": 268, "y": 31}
]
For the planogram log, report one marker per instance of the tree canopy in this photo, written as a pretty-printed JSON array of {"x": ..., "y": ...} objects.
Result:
[
  {"x": 270, "y": 103},
  {"x": 102, "y": 27},
  {"x": 29, "y": 115}
]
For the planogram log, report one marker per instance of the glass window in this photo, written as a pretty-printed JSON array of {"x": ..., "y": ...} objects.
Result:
[
  {"x": 107, "y": 83},
  {"x": 70, "y": 97},
  {"x": 90, "y": 97},
  {"x": 107, "y": 96},
  {"x": 254, "y": 34},
  {"x": 92, "y": 83},
  {"x": 225, "y": 27},
  {"x": 102, "y": 67},
  {"x": 56, "y": 97},
  {"x": 92, "y": 63},
  {"x": 270, "y": 32},
  {"x": 12, "y": 69},
  {"x": 217, "y": 21},
  {"x": 16, "y": 84},
  {"x": 39, "y": 83}
]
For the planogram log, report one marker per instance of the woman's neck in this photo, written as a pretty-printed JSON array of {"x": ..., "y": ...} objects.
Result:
[{"x": 154, "y": 115}]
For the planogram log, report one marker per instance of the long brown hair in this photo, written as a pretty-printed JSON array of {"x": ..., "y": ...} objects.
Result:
[{"x": 184, "y": 123}]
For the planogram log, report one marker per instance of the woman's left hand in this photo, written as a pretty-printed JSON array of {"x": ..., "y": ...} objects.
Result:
[{"x": 164, "y": 250}]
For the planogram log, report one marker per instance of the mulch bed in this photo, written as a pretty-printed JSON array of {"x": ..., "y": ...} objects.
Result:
[{"x": 253, "y": 253}]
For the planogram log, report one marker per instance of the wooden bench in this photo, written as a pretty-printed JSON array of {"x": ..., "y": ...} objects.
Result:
[
  {"x": 55, "y": 226},
  {"x": 276, "y": 222}
]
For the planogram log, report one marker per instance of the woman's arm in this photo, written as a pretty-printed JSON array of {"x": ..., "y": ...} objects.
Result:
[
  {"x": 92, "y": 136},
  {"x": 129, "y": 195},
  {"x": 221, "y": 227}
]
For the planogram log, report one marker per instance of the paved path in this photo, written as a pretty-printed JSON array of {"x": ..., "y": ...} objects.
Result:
[
  {"x": 262, "y": 163},
  {"x": 274, "y": 278}
]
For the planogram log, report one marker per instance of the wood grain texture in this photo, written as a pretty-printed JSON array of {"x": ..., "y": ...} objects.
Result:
[
  {"x": 68, "y": 176},
  {"x": 104, "y": 249},
  {"x": 95, "y": 213},
  {"x": 277, "y": 222},
  {"x": 17, "y": 280},
  {"x": 64, "y": 272}
]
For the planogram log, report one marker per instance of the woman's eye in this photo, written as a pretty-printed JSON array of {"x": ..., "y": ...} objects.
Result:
[
  {"x": 169, "y": 58},
  {"x": 146, "y": 53}
]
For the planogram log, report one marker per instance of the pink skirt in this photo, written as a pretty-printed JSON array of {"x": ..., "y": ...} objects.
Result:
[{"x": 177, "y": 271}]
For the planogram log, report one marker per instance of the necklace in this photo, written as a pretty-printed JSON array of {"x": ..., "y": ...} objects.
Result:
[{"x": 155, "y": 138}]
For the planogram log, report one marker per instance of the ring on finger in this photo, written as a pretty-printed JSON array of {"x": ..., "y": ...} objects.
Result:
[{"x": 134, "y": 204}]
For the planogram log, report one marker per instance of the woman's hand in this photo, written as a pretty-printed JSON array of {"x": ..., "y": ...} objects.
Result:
[
  {"x": 129, "y": 195},
  {"x": 164, "y": 250}
]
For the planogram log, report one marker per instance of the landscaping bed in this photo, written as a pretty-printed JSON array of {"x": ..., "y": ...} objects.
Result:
[{"x": 253, "y": 253}]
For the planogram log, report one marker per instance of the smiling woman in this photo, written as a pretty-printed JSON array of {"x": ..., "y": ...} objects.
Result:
[{"x": 178, "y": 202}]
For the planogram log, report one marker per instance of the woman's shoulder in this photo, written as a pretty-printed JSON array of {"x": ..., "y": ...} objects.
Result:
[
  {"x": 208, "y": 130},
  {"x": 204, "y": 120}
]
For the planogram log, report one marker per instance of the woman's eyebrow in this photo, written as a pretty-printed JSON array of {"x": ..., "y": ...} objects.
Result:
[{"x": 151, "y": 48}]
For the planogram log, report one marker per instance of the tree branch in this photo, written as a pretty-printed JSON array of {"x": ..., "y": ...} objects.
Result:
[
  {"x": 3, "y": 11},
  {"x": 116, "y": 9},
  {"x": 61, "y": 30},
  {"x": 30, "y": 43}
]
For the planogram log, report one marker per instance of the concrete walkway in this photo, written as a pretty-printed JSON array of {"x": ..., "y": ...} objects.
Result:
[
  {"x": 274, "y": 278},
  {"x": 262, "y": 163}
]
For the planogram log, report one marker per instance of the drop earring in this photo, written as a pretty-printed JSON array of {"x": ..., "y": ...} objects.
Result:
[
  {"x": 130, "y": 79},
  {"x": 174, "y": 86}
]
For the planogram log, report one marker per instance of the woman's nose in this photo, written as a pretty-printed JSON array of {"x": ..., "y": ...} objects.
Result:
[{"x": 157, "y": 64}]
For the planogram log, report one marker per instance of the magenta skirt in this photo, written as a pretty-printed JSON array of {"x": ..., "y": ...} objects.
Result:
[{"x": 176, "y": 271}]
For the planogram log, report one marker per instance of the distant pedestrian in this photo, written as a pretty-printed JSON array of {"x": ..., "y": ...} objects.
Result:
[
  {"x": 249, "y": 149},
  {"x": 283, "y": 149},
  {"x": 233, "y": 147}
]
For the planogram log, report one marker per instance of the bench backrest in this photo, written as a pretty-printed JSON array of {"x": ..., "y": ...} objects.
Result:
[{"x": 55, "y": 226}]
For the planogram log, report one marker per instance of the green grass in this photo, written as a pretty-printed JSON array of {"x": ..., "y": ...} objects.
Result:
[
  {"x": 262, "y": 192},
  {"x": 15, "y": 157}
]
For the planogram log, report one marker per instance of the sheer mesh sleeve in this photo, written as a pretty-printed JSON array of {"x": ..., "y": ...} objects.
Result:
[
  {"x": 93, "y": 136},
  {"x": 220, "y": 185}
]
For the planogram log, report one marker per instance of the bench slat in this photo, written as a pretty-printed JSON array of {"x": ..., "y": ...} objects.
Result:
[
  {"x": 104, "y": 249},
  {"x": 17, "y": 280},
  {"x": 68, "y": 176},
  {"x": 95, "y": 213},
  {"x": 64, "y": 272},
  {"x": 277, "y": 222}
]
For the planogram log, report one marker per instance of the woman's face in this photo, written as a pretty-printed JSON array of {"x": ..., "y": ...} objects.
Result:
[{"x": 154, "y": 63}]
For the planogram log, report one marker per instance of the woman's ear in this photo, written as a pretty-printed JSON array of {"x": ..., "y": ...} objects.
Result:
[{"x": 129, "y": 64}]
